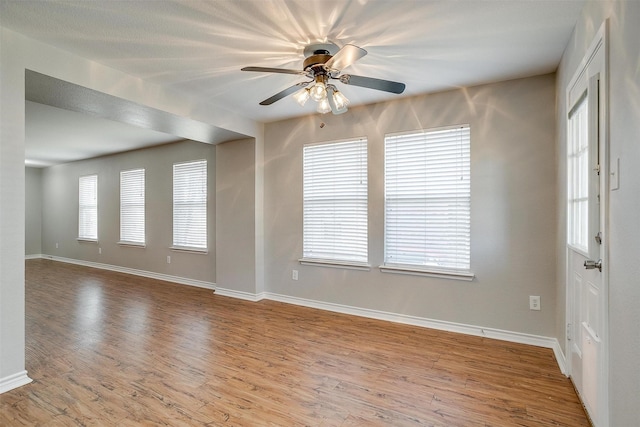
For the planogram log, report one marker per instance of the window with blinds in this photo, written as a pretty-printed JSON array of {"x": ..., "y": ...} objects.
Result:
[
  {"x": 190, "y": 205},
  {"x": 428, "y": 199},
  {"x": 335, "y": 201},
  {"x": 88, "y": 207},
  {"x": 578, "y": 176},
  {"x": 132, "y": 201}
]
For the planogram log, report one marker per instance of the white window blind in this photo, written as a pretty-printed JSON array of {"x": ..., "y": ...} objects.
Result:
[
  {"x": 132, "y": 187},
  {"x": 428, "y": 199},
  {"x": 578, "y": 173},
  {"x": 88, "y": 207},
  {"x": 335, "y": 201},
  {"x": 190, "y": 204}
]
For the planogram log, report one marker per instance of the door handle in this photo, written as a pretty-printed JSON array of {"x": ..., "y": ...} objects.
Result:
[{"x": 591, "y": 264}]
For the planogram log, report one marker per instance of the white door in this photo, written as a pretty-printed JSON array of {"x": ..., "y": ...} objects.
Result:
[{"x": 587, "y": 312}]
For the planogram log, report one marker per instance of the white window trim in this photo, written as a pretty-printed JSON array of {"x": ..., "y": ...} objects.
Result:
[
  {"x": 337, "y": 262},
  {"x": 574, "y": 155},
  {"x": 132, "y": 244},
  {"x": 422, "y": 270},
  {"x": 88, "y": 238},
  {"x": 189, "y": 249},
  {"x": 185, "y": 248},
  {"x": 125, "y": 242},
  {"x": 427, "y": 272}
]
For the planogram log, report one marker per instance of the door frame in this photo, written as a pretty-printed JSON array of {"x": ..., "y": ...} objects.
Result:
[{"x": 600, "y": 41}]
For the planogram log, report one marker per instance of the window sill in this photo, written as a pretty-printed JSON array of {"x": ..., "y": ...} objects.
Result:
[
  {"x": 86, "y": 239},
  {"x": 466, "y": 276},
  {"x": 133, "y": 244},
  {"x": 335, "y": 264},
  {"x": 201, "y": 251}
]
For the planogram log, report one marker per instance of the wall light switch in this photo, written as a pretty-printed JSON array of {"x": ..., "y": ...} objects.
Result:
[{"x": 534, "y": 302}]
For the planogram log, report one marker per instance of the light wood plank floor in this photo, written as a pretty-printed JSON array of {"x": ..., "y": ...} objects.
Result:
[{"x": 107, "y": 349}]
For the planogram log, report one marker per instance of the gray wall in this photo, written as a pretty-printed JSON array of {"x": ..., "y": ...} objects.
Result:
[
  {"x": 17, "y": 54},
  {"x": 513, "y": 185},
  {"x": 12, "y": 215},
  {"x": 624, "y": 204},
  {"x": 60, "y": 206},
  {"x": 235, "y": 216},
  {"x": 33, "y": 211}
]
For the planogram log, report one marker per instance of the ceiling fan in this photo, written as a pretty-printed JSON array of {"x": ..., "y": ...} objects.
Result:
[{"x": 324, "y": 62}]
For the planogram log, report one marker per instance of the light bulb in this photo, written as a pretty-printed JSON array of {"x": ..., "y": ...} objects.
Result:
[
  {"x": 301, "y": 96},
  {"x": 318, "y": 92},
  {"x": 340, "y": 100},
  {"x": 323, "y": 106}
]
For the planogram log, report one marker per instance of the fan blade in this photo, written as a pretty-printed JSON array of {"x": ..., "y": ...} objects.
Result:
[
  {"x": 371, "y": 83},
  {"x": 273, "y": 70},
  {"x": 345, "y": 57},
  {"x": 288, "y": 91}
]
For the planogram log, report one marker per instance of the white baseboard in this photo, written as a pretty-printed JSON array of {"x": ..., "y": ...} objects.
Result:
[
  {"x": 518, "y": 337},
  {"x": 34, "y": 256},
  {"x": 14, "y": 381},
  {"x": 499, "y": 334},
  {"x": 560, "y": 358},
  {"x": 135, "y": 272},
  {"x": 247, "y": 296}
]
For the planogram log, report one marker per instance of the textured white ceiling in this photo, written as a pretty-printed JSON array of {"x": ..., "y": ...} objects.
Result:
[
  {"x": 200, "y": 46},
  {"x": 86, "y": 123},
  {"x": 81, "y": 136}
]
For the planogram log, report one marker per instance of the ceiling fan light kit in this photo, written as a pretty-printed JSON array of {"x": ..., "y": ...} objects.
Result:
[
  {"x": 302, "y": 96},
  {"x": 323, "y": 106},
  {"x": 337, "y": 101},
  {"x": 319, "y": 90},
  {"x": 323, "y": 62}
]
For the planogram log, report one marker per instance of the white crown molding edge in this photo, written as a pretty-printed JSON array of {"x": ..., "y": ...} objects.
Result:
[
  {"x": 135, "y": 272},
  {"x": 14, "y": 381}
]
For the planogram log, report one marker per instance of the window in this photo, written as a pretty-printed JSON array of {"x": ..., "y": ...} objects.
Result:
[
  {"x": 132, "y": 206},
  {"x": 190, "y": 205},
  {"x": 428, "y": 200},
  {"x": 88, "y": 207},
  {"x": 578, "y": 173},
  {"x": 335, "y": 202}
]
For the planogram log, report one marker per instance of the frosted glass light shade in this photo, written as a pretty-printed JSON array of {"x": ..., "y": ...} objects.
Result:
[
  {"x": 323, "y": 106},
  {"x": 318, "y": 92},
  {"x": 302, "y": 96},
  {"x": 340, "y": 100}
]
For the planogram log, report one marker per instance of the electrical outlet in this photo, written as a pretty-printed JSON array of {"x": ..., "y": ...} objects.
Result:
[
  {"x": 168, "y": 259},
  {"x": 57, "y": 245},
  {"x": 99, "y": 251},
  {"x": 294, "y": 274},
  {"x": 534, "y": 302}
]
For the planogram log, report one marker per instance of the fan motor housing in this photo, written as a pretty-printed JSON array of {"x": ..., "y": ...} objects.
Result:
[{"x": 318, "y": 58}]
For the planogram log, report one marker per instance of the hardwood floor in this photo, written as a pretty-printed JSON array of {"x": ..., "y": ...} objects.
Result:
[{"x": 108, "y": 349}]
